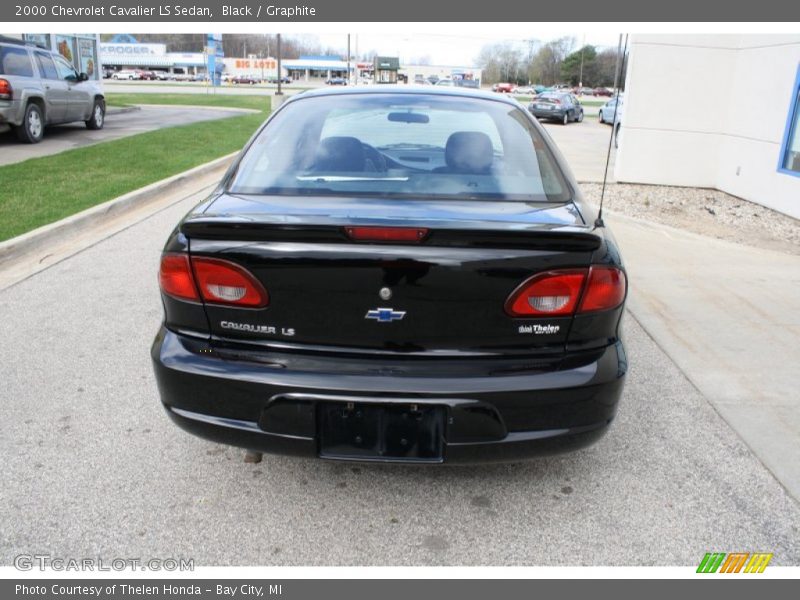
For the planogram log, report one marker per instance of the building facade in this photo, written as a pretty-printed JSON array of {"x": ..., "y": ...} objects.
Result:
[
  {"x": 715, "y": 111},
  {"x": 118, "y": 55},
  {"x": 81, "y": 49}
]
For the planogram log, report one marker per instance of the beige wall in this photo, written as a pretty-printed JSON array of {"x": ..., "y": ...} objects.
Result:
[{"x": 710, "y": 111}]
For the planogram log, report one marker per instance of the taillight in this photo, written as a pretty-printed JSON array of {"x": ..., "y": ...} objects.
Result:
[
  {"x": 216, "y": 281},
  {"x": 386, "y": 234},
  {"x": 550, "y": 294},
  {"x": 568, "y": 291},
  {"x": 6, "y": 91},
  {"x": 604, "y": 290},
  {"x": 223, "y": 282},
  {"x": 175, "y": 277}
]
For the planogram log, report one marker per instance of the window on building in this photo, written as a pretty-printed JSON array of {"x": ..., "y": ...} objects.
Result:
[{"x": 790, "y": 151}]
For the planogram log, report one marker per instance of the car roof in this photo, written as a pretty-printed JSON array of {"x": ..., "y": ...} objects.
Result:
[{"x": 405, "y": 90}]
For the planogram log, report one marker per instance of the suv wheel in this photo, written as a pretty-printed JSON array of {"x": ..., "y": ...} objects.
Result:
[
  {"x": 32, "y": 129},
  {"x": 98, "y": 118}
]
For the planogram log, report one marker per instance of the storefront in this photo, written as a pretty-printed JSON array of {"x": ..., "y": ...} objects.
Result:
[
  {"x": 309, "y": 68},
  {"x": 386, "y": 69},
  {"x": 118, "y": 55},
  {"x": 81, "y": 49}
]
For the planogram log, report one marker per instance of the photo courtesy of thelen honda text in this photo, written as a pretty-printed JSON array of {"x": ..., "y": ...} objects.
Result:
[{"x": 397, "y": 274}]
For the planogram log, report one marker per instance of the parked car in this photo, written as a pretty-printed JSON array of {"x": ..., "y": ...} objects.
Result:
[
  {"x": 148, "y": 75},
  {"x": 504, "y": 88},
  {"x": 107, "y": 73},
  {"x": 163, "y": 75},
  {"x": 244, "y": 80},
  {"x": 607, "y": 111},
  {"x": 282, "y": 80},
  {"x": 557, "y": 106},
  {"x": 611, "y": 113},
  {"x": 40, "y": 88},
  {"x": 586, "y": 91},
  {"x": 601, "y": 91},
  {"x": 128, "y": 74},
  {"x": 336, "y": 81},
  {"x": 415, "y": 278},
  {"x": 444, "y": 83}
]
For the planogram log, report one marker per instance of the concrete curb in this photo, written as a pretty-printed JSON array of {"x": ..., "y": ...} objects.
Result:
[
  {"x": 244, "y": 111},
  {"x": 121, "y": 110},
  {"x": 21, "y": 245}
]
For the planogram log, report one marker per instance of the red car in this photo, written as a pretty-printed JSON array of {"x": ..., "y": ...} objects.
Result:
[
  {"x": 505, "y": 88},
  {"x": 602, "y": 92}
]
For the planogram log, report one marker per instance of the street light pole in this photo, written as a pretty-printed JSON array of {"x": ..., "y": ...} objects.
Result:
[
  {"x": 280, "y": 71},
  {"x": 348, "y": 59}
]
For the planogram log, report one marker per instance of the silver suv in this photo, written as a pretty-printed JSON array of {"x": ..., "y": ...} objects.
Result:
[{"x": 40, "y": 88}]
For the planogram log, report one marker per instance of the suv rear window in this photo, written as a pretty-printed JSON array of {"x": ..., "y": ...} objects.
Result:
[{"x": 15, "y": 61}]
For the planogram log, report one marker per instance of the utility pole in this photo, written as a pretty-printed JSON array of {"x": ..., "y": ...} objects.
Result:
[
  {"x": 348, "y": 59},
  {"x": 580, "y": 77},
  {"x": 280, "y": 71}
]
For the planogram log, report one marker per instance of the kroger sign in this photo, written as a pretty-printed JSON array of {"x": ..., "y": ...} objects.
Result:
[{"x": 134, "y": 49}]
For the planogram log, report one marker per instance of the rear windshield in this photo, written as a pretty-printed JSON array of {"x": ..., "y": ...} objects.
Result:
[
  {"x": 15, "y": 61},
  {"x": 409, "y": 145}
]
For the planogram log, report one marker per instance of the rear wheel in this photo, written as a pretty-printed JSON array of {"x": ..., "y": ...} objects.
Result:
[
  {"x": 565, "y": 120},
  {"x": 98, "y": 118},
  {"x": 580, "y": 117},
  {"x": 32, "y": 129},
  {"x": 602, "y": 120}
]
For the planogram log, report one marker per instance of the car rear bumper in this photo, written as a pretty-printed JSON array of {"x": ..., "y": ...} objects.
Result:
[
  {"x": 548, "y": 114},
  {"x": 274, "y": 405},
  {"x": 10, "y": 113}
]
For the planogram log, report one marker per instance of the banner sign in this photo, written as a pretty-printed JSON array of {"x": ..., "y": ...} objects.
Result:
[{"x": 206, "y": 11}]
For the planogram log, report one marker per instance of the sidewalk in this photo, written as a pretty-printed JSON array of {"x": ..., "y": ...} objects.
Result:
[{"x": 729, "y": 316}]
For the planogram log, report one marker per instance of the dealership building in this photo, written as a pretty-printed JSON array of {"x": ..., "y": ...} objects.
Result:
[{"x": 715, "y": 111}]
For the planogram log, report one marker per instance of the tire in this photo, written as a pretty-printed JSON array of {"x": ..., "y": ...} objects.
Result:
[
  {"x": 32, "y": 129},
  {"x": 600, "y": 114},
  {"x": 565, "y": 120},
  {"x": 98, "y": 118},
  {"x": 580, "y": 117}
]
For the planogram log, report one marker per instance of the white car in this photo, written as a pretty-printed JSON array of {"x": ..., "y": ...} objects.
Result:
[
  {"x": 607, "y": 115},
  {"x": 607, "y": 110},
  {"x": 126, "y": 74}
]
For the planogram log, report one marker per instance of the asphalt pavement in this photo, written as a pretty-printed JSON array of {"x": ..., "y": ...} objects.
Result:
[
  {"x": 118, "y": 125},
  {"x": 93, "y": 467}
]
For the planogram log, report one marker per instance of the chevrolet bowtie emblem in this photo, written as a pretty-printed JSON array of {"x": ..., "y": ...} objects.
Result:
[{"x": 385, "y": 315}]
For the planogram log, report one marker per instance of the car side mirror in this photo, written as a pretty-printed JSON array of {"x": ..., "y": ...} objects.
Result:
[{"x": 83, "y": 77}]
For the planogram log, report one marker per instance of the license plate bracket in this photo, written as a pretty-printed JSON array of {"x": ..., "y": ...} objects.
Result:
[{"x": 381, "y": 432}]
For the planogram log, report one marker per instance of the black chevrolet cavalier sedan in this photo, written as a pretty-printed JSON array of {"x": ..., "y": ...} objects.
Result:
[{"x": 394, "y": 274}]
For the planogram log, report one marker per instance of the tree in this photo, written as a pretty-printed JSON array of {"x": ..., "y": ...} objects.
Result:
[
  {"x": 606, "y": 65},
  {"x": 502, "y": 62},
  {"x": 547, "y": 62},
  {"x": 579, "y": 68}
]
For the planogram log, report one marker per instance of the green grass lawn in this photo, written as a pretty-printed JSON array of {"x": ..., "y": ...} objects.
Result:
[
  {"x": 221, "y": 100},
  {"x": 42, "y": 190}
]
